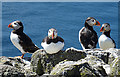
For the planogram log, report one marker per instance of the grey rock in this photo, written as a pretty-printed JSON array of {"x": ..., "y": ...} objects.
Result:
[
  {"x": 11, "y": 71},
  {"x": 41, "y": 62},
  {"x": 114, "y": 61},
  {"x": 89, "y": 66},
  {"x": 71, "y": 62},
  {"x": 97, "y": 62},
  {"x": 15, "y": 67},
  {"x": 99, "y": 53}
]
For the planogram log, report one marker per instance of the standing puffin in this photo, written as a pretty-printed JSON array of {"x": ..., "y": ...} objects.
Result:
[
  {"x": 52, "y": 43},
  {"x": 87, "y": 36},
  {"x": 20, "y": 40},
  {"x": 105, "y": 41}
]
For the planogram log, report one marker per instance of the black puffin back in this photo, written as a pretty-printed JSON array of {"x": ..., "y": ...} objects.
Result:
[
  {"x": 88, "y": 37},
  {"x": 25, "y": 41},
  {"x": 114, "y": 43}
]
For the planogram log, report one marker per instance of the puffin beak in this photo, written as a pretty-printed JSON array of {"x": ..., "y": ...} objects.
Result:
[
  {"x": 53, "y": 35},
  {"x": 10, "y": 25},
  {"x": 97, "y": 23},
  {"x": 102, "y": 29}
]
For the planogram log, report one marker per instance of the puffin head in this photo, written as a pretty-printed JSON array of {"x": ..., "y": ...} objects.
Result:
[
  {"x": 52, "y": 33},
  {"x": 92, "y": 21},
  {"x": 105, "y": 27},
  {"x": 16, "y": 25}
]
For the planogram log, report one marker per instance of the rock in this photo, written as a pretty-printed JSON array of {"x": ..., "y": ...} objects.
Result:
[
  {"x": 115, "y": 67},
  {"x": 15, "y": 67},
  {"x": 99, "y": 53},
  {"x": 111, "y": 57},
  {"x": 90, "y": 66},
  {"x": 92, "y": 62},
  {"x": 11, "y": 71},
  {"x": 41, "y": 62},
  {"x": 107, "y": 55},
  {"x": 73, "y": 54},
  {"x": 97, "y": 62}
]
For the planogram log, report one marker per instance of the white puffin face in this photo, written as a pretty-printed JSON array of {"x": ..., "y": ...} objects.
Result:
[
  {"x": 52, "y": 33},
  {"x": 92, "y": 21},
  {"x": 15, "y": 25},
  {"x": 105, "y": 27}
]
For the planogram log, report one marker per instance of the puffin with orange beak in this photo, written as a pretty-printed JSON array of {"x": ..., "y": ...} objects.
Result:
[
  {"x": 105, "y": 40},
  {"x": 87, "y": 35},
  {"x": 52, "y": 43},
  {"x": 20, "y": 40}
]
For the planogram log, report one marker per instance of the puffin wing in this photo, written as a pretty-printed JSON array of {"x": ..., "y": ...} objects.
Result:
[
  {"x": 47, "y": 40},
  {"x": 114, "y": 43},
  {"x": 60, "y": 39},
  {"x": 88, "y": 38},
  {"x": 27, "y": 43}
]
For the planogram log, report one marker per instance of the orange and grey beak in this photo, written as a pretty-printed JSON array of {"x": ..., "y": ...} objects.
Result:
[
  {"x": 97, "y": 23},
  {"x": 102, "y": 29},
  {"x": 10, "y": 25},
  {"x": 53, "y": 35}
]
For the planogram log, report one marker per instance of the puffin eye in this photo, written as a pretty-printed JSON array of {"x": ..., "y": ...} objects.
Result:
[
  {"x": 15, "y": 23},
  {"x": 92, "y": 20}
]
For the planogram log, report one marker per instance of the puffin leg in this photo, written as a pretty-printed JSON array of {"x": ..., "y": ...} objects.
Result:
[{"x": 22, "y": 56}]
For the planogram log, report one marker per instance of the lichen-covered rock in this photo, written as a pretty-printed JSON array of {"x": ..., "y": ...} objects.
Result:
[
  {"x": 15, "y": 67},
  {"x": 114, "y": 53},
  {"x": 106, "y": 55},
  {"x": 17, "y": 62},
  {"x": 41, "y": 62},
  {"x": 97, "y": 62},
  {"x": 11, "y": 71},
  {"x": 92, "y": 62},
  {"x": 114, "y": 61},
  {"x": 115, "y": 67},
  {"x": 99, "y": 53},
  {"x": 90, "y": 66},
  {"x": 111, "y": 57}
]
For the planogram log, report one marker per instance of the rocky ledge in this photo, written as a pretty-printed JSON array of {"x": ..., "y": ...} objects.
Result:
[{"x": 71, "y": 62}]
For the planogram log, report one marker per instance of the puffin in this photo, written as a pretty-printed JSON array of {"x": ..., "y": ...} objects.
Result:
[
  {"x": 105, "y": 40},
  {"x": 52, "y": 43},
  {"x": 20, "y": 40},
  {"x": 87, "y": 36}
]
